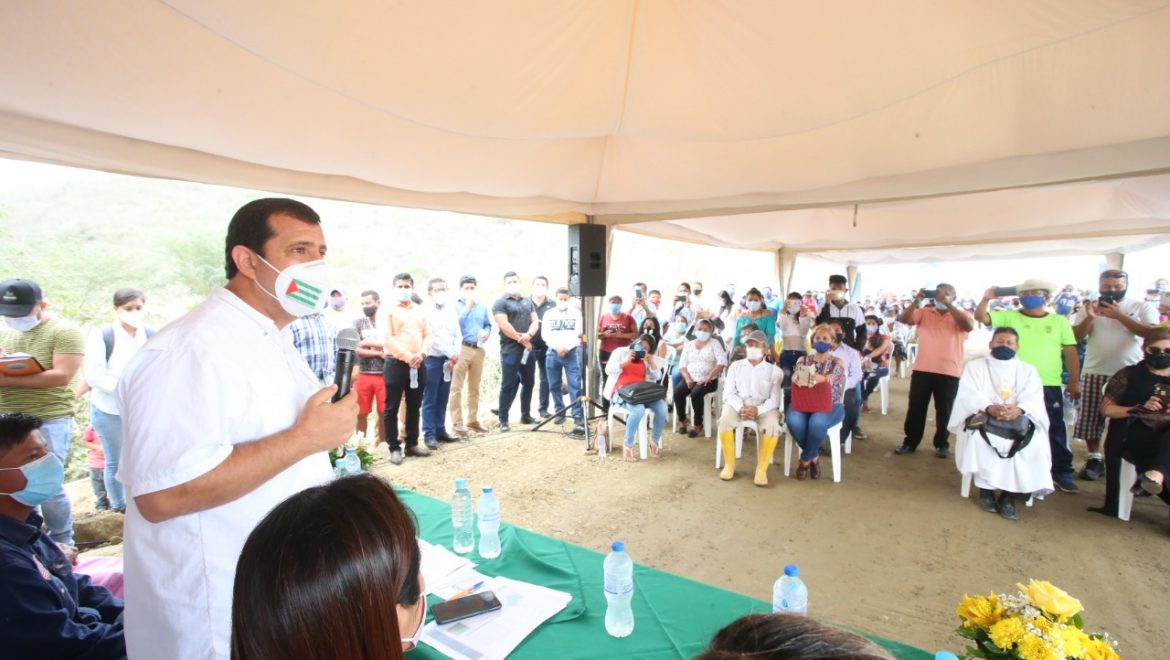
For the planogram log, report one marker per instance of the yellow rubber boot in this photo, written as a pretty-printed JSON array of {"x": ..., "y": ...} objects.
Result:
[
  {"x": 727, "y": 440},
  {"x": 767, "y": 447}
]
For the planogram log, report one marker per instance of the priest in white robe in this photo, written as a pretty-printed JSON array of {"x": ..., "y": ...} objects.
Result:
[{"x": 1006, "y": 388}]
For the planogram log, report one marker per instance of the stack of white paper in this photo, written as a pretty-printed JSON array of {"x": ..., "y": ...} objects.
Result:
[
  {"x": 494, "y": 635},
  {"x": 440, "y": 567}
]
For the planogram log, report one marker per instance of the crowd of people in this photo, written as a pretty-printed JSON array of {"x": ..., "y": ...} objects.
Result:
[{"x": 213, "y": 465}]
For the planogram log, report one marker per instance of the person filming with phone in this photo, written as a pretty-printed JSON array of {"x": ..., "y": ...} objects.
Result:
[{"x": 1111, "y": 327}]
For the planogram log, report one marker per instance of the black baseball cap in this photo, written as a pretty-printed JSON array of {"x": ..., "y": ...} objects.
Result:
[{"x": 18, "y": 297}]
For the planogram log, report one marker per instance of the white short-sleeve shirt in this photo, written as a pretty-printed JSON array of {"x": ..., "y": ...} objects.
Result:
[
  {"x": 220, "y": 376},
  {"x": 1111, "y": 346}
]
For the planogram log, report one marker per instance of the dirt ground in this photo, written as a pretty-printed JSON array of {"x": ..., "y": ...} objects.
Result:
[{"x": 891, "y": 549}]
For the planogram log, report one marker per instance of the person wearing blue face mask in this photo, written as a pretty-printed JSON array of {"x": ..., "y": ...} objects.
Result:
[
  {"x": 60, "y": 348},
  {"x": 615, "y": 329},
  {"x": 48, "y": 611},
  {"x": 1047, "y": 342},
  {"x": 810, "y": 427}
]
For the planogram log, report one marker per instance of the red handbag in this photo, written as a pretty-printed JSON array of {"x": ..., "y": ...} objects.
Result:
[{"x": 815, "y": 399}]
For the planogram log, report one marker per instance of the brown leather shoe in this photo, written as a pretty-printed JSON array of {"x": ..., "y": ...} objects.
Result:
[
  {"x": 476, "y": 426},
  {"x": 814, "y": 469},
  {"x": 459, "y": 429},
  {"x": 802, "y": 472},
  {"x": 421, "y": 452}
]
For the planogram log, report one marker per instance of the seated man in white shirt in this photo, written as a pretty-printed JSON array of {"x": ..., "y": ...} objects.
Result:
[
  {"x": 1006, "y": 388},
  {"x": 753, "y": 391}
]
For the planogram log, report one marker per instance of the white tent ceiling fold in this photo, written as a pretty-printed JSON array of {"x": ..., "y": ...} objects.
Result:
[{"x": 676, "y": 116}]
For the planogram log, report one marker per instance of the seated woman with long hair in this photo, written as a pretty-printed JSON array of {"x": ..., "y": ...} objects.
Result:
[
  {"x": 809, "y": 429},
  {"x": 637, "y": 363},
  {"x": 330, "y": 573},
  {"x": 1138, "y": 399}
]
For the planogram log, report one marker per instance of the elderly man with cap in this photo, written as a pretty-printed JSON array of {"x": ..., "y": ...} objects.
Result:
[
  {"x": 59, "y": 348},
  {"x": 1047, "y": 343},
  {"x": 753, "y": 391}
]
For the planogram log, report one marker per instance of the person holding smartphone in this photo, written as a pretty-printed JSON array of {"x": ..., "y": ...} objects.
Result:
[
  {"x": 1111, "y": 328},
  {"x": 637, "y": 363}
]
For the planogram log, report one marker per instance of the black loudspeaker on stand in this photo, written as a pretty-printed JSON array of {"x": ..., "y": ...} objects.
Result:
[{"x": 587, "y": 260}]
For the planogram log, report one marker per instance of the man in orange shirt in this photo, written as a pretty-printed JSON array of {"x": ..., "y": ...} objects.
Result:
[
  {"x": 405, "y": 343},
  {"x": 942, "y": 326}
]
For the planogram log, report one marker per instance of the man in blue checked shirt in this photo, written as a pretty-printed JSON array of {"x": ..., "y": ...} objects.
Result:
[
  {"x": 316, "y": 341},
  {"x": 46, "y": 611},
  {"x": 475, "y": 325}
]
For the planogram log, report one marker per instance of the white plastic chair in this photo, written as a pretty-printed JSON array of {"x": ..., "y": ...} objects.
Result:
[
  {"x": 709, "y": 418},
  {"x": 1125, "y": 494},
  {"x": 743, "y": 424},
  {"x": 884, "y": 388},
  {"x": 834, "y": 440}
]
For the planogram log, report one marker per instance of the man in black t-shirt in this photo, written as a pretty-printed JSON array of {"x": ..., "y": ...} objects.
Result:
[{"x": 516, "y": 317}]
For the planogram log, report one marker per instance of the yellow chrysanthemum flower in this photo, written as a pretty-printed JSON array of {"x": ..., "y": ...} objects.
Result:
[
  {"x": 1099, "y": 649},
  {"x": 1051, "y": 599},
  {"x": 980, "y": 611},
  {"x": 1073, "y": 640},
  {"x": 1042, "y": 624},
  {"x": 1006, "y": 632},
  {"x": 1032, "y": 647}
]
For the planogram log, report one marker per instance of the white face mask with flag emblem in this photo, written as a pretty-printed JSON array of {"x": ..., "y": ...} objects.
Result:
[{"x": 301, "y": 289}]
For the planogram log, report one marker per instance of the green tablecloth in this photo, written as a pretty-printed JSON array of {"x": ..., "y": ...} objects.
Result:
[{"x": 673, "y": 617}]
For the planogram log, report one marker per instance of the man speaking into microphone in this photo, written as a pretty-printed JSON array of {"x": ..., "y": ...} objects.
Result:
[{"x": 223, "y": 420}]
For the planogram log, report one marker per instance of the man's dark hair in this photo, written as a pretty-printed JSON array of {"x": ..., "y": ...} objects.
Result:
[
  {"x": 467, "y": 279},
  {"x": 615, "y": 299},
  {"x": 685, "y": 286},
  {"x": 371, "y": 293},
  {"x": 403, "y": 277},
  {"x": 1004, "y": 330},
  {"x": 511, "y": 273},
  {"x": 795, "y": 295},
  {"x": 653, "y": 291},
  {"x": 15, "y": 427},
  {"x": 639, "y": 285},
  {"x": 788, "y": 636},
  {"x": 127, "y": 295},
  {"x": 1114, "y": 274},
  {"x": 564, "y": 290},
  {"x": 948, "y": 287},
  {"x": 540, "y": 278},
  {"x": 434, "y": 281},
  {"x": 838, "y": 279},
  {"x": 874, "y": 318},
  {"x": 250, "y": 226}
]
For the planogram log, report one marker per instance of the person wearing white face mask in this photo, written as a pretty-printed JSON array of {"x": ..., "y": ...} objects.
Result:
[
  {"x": 541, "y": 302},
  {"x": 759, "y": 315},
  {"x": 446, "y": 338},
  {"x": 406, "y": 341},
  {"x": 60, "y": 348},
  {"x": 475, "y": 325},
  {"x": 106, "y": 354},
  {"x": 516, "y": 317},
  {"x": 698, "y": 375},
  {"x": 48, "y": 611},
  {"x": 222, "y": 421},
  {"x": 753, "y": 392},
  {"x": 562, "y": 328}
]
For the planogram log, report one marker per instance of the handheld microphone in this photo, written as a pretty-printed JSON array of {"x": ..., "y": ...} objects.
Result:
[{"x": 347, "y": 341}]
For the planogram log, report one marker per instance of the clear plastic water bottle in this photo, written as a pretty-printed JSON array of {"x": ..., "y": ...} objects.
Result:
[
  {"x": 619, "y": 591},
  {"x": 462, "y": 520},
  {"x": 945, "y": 655},
  {"x": 524, "y": 358},
  {"x": 489, "y": 524},
  {"x": 353, "y": 464},
  {"x": 447, "y": 372},
  {"x": 789, "y": 595},
  {"x": 414, "y": 378}
]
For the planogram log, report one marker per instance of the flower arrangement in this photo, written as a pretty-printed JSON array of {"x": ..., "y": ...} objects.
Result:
[
  {"x": 363, "y": 454},
  {"x": 1039, "y": 622}
]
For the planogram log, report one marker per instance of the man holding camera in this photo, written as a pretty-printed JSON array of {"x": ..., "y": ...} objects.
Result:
[
  {"x": 1047, "y": 343},
  {"x": 1112, "y": 327},
  {"x": 942, "y": 327}
]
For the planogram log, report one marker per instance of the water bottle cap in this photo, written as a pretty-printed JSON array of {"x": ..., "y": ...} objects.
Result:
[
  {"x": 791, "y": 570},
  {"x": 945, "y": 655},
  {"x": 487, "y": 489},
  {"x": 461, "y": 483},
  {"x": 618, "y": 546},
  {"x": 351, "y": 450}
]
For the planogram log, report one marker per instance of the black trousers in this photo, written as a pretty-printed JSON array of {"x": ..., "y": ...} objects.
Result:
[
  {"x": 923, "y": 386},
  {"x": 397, "y": 376},
  {"x": 681, "y": 392}
]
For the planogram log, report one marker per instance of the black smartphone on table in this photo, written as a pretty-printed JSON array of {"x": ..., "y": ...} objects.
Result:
[{"x": 466, "y": 607}]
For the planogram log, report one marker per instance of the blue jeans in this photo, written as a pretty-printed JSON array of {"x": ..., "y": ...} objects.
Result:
[
  {"x": 109, "y": 429},
  {"x": 1062, "y": 457},
  {"x": 852, "y": 410},
  {"x": 809, "y": 429},
  {"x": 571, "y": 364},
  {"x": 434, "y": 403},
  {"x": 515, "y": 376},
  {"x": 636, "y": 411},
  {"x": 57, "y": 511}
]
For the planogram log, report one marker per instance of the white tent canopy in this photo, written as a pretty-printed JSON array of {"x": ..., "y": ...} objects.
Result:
[{"x": 676, "y": 118}]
